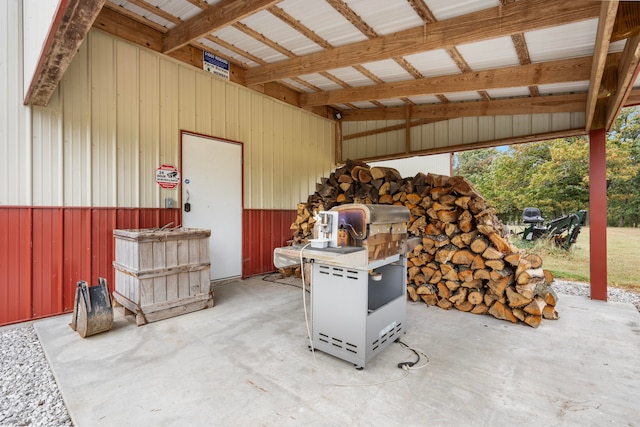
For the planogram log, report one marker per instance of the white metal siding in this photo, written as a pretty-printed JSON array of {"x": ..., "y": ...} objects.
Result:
[
  {"x": 438, "y": 163},
  {"x": 37, "y": 19},
  {"x": 117, "y": 116},
  {"x": 440, "y": 135},
  {"x": 15, "y": 151}
]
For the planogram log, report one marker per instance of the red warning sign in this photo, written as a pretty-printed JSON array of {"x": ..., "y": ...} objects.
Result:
[{"x": 167, "y": 176}]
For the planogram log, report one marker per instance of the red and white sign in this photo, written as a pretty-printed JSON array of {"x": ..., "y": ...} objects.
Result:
[{"x": 167, "y": 176}]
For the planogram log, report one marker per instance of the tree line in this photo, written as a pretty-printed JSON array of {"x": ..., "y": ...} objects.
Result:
[{"x": 554, "y": 175}]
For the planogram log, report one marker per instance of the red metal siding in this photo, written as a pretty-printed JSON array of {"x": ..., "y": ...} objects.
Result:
[
  {"x": 263, "y": 231},
  {"x": 15, "y": 301},
  {"x": 46, "y": 262},
  {"x": 44, "y": 252}
]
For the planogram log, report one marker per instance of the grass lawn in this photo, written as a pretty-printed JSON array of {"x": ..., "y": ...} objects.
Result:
[{"x": 623, "y": 257}]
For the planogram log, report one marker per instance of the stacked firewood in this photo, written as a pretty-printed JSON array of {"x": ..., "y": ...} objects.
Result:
[{"x": 464, "y": 260}]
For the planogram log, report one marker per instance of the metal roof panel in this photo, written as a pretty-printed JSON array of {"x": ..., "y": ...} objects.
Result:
[
  {"x": 490, "y": 54},
  {"x": 248, "y": 44},
  {"x": 561, "y": 42},
  {"x": 386, "y": 16},
  {"x": 570, "y": 87},
  {"x": 323, "y": 20},
  {"x": 352, "y": 76},
  {"x": 433, "y": 63},
  {"x": 445, "y": 9},
  {"x": 271, "y": 27},
  {"x": 388, "y": 70}
]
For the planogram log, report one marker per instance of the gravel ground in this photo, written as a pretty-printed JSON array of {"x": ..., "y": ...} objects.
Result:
[{"x": 30, "y": 395}]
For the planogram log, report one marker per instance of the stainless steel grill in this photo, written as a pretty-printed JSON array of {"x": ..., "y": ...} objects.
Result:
[{"x": 358, "y": 301}]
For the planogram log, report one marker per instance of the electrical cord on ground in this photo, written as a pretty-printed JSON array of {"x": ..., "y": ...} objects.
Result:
[
  {"x": 406, "y": 369},
  {"x": 267, "y": 278},
  {"x": 410, "y": 365}
]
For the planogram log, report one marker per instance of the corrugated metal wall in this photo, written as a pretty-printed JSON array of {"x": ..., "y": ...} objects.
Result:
[
  {"x": 15, "y": 153},
  {"x": 44, "y": 252},
  {"x": 117, "y": 115},
  {"x": 84, "y": 165},
  {"x": 451, "y": 133}
]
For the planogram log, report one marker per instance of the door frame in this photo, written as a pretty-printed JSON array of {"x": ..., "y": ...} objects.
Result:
[{"x": 181, "y": 202}]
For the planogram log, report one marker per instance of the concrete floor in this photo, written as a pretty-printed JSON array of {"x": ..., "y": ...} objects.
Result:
[{"x": 245, "y": 362}]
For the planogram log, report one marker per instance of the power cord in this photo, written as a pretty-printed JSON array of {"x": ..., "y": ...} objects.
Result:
[{"x": 410, "y": 365}]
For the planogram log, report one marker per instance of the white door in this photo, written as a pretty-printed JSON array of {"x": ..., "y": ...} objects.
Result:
[{"x": 212, "y": 187}]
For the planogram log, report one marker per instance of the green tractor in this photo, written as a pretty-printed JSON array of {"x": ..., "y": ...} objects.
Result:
[{"x": 562, "y": 231}]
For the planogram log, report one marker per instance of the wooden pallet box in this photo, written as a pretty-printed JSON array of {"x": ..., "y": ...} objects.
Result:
[{"x": 162, "y": 273}]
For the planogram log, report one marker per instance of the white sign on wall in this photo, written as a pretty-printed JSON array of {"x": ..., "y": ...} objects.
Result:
[
  {"x": 167, "y": 176},
  {"x": 215, "y": 65}
]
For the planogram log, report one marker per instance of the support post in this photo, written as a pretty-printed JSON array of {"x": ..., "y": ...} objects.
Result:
[
  {"x": 598, "y": 213},
  {"x": 338, "y": 141}
]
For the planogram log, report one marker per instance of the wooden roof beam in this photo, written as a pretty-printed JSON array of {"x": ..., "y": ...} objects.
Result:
[
  {"x": 70, "y": 26},
  {"x": 559, "y": 71},
  {"x": 608, "y": 12},
  {"x": 533, "y": 105},
  {"x": 486, "y": 24},
  {"x": 628, "y": 68},
  {"x": 221, "y": 14}
]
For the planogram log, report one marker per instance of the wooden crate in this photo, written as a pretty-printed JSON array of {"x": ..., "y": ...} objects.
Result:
[{"x": 162, "y": 273}]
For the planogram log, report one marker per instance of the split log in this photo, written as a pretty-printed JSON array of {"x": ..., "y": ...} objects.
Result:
[
  {"x": 480, "y": 309},
  {"x": 476, "y": 297},
  {"x": 549, "y": 312},
  {"x": 462, "y": 257},
  {"x": 479, "y": 244},
  {"x": 444, "y": 304},
  {"x": 549, "y": 296},
  {"x": 452, "y": 285},
  {"x": 534, "y": 260},
  {"x": 478, "y": 263},
  {"x": 411, "y": 290},
  {"x": 481, "y": 274},
  {"x": 532, "y": 274},
  {"x": 429, "y": 299},
  {"x": 498, "y": 286},
  {"x": 464, "y": 306},
  {"x": 492, "y": 253},
  {"x": 535, "y": 307},
  {"x": 443, "y": 291},
  {"x": 515, "y": 299},
  {"x": 459, "y": 296},
  {"x": 513, "y": 258},
  {"x": 519, "y": 313},
  {"x": 502, "y": 312},
  {"x": 533, "y": 321},
  {"x": 495, "y": 264},
  {"x": 527, "y": 290}
]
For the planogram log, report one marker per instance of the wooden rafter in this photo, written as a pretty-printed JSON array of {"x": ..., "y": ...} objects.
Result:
[
  {"x": 607, "y": 19},
  {"x": 156, "y": 11},
  {"x": 222, "y": 14},
  {"x": 482, "y": 25},
  {"x": 627, "y": 73}
]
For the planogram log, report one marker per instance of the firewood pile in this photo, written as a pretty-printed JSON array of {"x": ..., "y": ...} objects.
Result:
[{"x": 465, "y": 259}]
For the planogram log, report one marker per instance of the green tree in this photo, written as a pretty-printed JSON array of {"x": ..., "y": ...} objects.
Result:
[
  {"x": 623, "y": 170},
  {"x": 559, "y": 184},
  {"x": 475, "y": 166}
]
